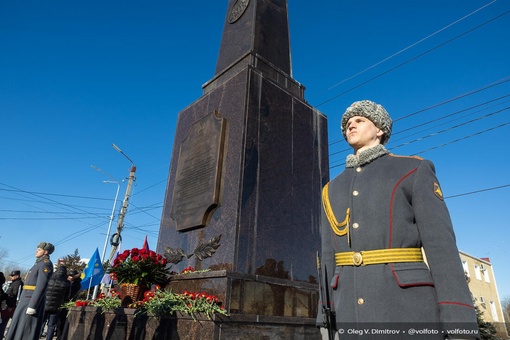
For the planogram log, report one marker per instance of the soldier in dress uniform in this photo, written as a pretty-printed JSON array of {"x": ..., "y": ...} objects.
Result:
[
  {"x": 29, "y": 315},
  {"x": 379, "y": 214}
]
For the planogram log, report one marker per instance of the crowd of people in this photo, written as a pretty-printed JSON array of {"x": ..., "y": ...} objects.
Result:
[{"x": 33, "y": 304}]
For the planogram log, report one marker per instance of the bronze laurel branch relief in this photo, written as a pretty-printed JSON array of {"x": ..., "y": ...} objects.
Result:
[{"x": 201, "y": 252}]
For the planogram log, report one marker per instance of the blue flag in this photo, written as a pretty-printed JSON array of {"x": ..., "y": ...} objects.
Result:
[{"x": 93, "y": 272}]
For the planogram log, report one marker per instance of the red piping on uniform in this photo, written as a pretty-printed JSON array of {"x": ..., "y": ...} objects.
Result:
[
  {"x": 391, "y": 203},
  {"x": 455, "y": 303}
]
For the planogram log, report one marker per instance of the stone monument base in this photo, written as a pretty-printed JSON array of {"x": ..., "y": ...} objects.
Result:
[
  {"x": 261, "y": 307},
  {"x": 122, "y": 324},
  {"x": 255, "y": 327}
]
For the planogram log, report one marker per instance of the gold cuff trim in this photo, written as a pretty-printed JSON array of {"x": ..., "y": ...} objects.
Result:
[{"x": 28, "y": 287}]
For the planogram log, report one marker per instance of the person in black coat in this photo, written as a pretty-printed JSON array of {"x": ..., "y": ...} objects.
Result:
[
  {"x": 14, "y": 290},
  {"x": 57, "y": 293},
  {"x": 3, "y": 297},
  {"x": 75, "y": 279},
  {"x": 11, "y": 299}
]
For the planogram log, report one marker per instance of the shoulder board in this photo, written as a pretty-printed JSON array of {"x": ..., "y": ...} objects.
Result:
[
  {"x": 399, "y": 156},
  {"x": 46, "y": 260}
]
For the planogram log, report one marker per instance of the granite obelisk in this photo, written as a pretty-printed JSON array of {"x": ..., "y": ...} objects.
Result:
[{"x": 249, "y": 159}]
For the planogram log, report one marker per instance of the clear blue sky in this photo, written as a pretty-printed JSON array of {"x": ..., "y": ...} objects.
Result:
[{"x": 76, "y": 77}]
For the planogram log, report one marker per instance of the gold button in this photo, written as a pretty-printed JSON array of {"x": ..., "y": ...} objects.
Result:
[
  {"x": 358, "y": 169},
  {"x": 361, "y": 301},
  {"x": 355, "y": 193},
  {"x": 355, "y": 225}
]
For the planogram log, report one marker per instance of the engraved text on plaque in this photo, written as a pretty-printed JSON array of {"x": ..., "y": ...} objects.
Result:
[{"x": 198, "y": 176}]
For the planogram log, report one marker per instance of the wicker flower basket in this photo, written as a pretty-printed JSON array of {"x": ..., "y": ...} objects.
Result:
[{"x": 130, "y": 292}]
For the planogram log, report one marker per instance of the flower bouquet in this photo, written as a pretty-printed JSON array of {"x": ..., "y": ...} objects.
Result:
[
  {"x": 164, "y": 302},
  {"x": 106, "y": 302},
  {"x": 191, "y": 270},
  {"x": 135, "y": 270}
]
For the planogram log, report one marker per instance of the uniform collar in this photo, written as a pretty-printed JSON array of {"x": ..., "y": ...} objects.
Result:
[
  {"x": 366, "y": 156},
  {"x": 44, "y": 257}
]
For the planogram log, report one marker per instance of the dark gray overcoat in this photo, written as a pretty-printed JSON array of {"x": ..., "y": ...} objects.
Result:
[
  {"x": 28, "y": 327},
  {"x": 395, "y": 202}
]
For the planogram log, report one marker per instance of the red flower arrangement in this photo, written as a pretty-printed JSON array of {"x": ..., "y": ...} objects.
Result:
[
  {"x": 81, "y": 303},
  {"x": 140, "y": 267},
  {"x": 163, "y": 302},
  {"x": 107, "y": 302},
  {"x": 187, "y": 270},
  {"x": 158, "y": 302}
]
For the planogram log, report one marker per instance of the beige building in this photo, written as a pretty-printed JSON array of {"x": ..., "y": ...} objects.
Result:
[{"x": 482, "y": 284}]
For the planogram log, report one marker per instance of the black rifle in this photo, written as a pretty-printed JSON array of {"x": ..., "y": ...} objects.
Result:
[{"x": 328, "y": 316}]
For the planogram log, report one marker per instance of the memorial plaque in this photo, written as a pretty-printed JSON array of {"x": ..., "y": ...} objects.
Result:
[{"x": 199, "y": 169}]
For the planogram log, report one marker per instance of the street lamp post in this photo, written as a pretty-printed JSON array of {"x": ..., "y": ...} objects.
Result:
[
  {"x": 116, "y": 238},
  {"x": 112, "y": 215}
]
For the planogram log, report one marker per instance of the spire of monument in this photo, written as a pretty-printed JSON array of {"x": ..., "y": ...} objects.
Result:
[{"x": 255, "y": 31}]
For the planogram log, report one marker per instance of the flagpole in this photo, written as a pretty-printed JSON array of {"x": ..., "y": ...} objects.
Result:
[
  {"x": 88, "y": 290},
  {"x": 112, "y": 216}
]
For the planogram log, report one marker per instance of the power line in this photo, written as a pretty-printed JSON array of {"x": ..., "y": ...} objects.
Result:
[
  {"x": 496, "y": 83},
  {"x": 52, "y": 194},
  {"x": 499, "y": 82},
  {"x": 412, "y": 45},
  {"x": 136, "y": 209},
  {"x": 466, "y": 94},
  {"x": 144, "y": 211},
  {"x": 41, "y": 212},
  {"x": 463, "y": 138},
  {"x": 79, "y": 233},
  {"x": 84, "y": 231},
  {"x": 449, "y": 129},
  {"x": 446, "y": 144},
  {"x": 64, "y": 205},
  {"x": 478, "y": 191},
  {"x": 448, "y": 116},
  {"x": 414, "y": 58},
  {"x": 43, "y": 218},
  {"x": 41, "y": 202},
  {"x": 149, "y": 187}
]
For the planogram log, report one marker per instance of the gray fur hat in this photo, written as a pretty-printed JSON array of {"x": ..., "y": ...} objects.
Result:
[
  {"x": 50, "y": 248},
  {"x": 373, "y": 111}
]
